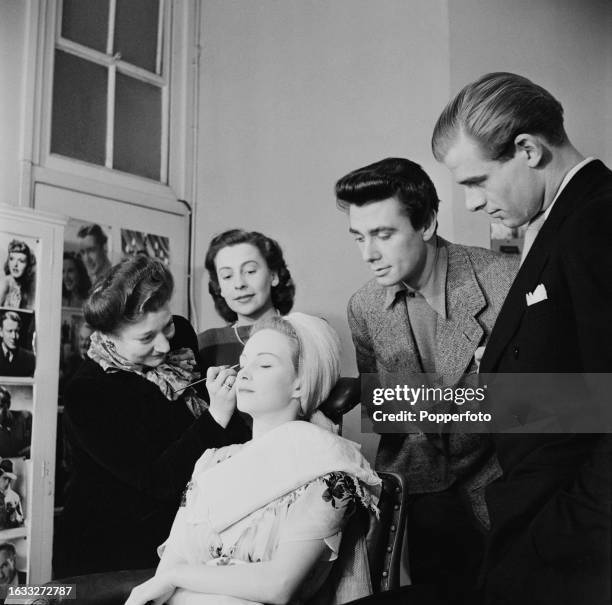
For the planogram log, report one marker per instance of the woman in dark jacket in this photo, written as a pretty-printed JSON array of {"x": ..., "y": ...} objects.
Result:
[{"x": 134, "y": 430}]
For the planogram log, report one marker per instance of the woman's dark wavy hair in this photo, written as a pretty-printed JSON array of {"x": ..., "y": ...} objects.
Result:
[
  {"x": 135, "y": 286},
  {"x": 282, "y": 294},
  {"x": 83, "y": 283},
  {"x": 20, "y": 247}
]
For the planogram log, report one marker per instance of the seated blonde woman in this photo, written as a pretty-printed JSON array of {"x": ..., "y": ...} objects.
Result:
[{"x": 262, "y": 522}]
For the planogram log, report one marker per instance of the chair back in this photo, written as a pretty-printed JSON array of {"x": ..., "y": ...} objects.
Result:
[
  {"x": 386, "y": 534},
  {"x": 345, "y": 395}
]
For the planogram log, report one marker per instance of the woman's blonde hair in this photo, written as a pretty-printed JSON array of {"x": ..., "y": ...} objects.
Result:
[{"x": 316, "y": 354}]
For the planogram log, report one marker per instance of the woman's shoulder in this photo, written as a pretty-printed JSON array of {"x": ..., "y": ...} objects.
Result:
[
  {"x": 215, "y": 336},
  {"x": 7, "y": 284},
  {"x": 221, "y": 346}
]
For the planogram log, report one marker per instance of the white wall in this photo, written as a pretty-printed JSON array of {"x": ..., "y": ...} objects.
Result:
[
  {"x": 563, "y": 45},
  {"x": 12, "y": 55}
]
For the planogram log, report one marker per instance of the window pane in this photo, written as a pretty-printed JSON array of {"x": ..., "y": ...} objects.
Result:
[
  {"x": 86, "y": 22},
  {"x": 78, "y": 127},
  {"x": 136, "y": 32},
  {"x": 137, "y": 127}
]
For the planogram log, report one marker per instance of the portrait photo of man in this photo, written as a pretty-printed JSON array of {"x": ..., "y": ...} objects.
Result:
[
  {"x": 15, "y": 360},
  {"x": 93, "y": 246},
  {"x": 11, "y": 512},
  {"x": 15, "y": 428}
]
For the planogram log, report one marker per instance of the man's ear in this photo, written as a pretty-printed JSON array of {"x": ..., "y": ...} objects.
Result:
[
  {"x": 531, "y": 147},
  {"x": 430, "y": 230}
]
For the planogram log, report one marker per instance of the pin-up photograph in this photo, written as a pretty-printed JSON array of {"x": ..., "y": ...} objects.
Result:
[
  {"x": 75, "y": 341},
  {"x": 137, "y": 242},
  {"x": 91, "y": 243},
  {"x": 15, "y": 420},
  {"x": 17, "y": 271},
  {"x": 17, "y": 355},
  {"x": 11, "y": 484}
]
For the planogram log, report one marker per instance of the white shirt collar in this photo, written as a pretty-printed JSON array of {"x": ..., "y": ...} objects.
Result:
[{"x": 566, "y": 179}]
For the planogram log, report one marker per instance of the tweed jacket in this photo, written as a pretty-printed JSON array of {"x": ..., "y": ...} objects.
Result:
[{"x": 477, "y": 282}]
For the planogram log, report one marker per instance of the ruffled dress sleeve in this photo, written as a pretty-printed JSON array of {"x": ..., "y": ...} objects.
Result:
[{"x": 320, "y": 512}]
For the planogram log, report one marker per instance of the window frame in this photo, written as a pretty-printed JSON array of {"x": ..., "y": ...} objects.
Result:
[
  {"x": 179, "y": 94},
  {"x": 114, "y": 64}
]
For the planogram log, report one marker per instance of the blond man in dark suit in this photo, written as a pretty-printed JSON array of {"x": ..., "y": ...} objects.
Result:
[{"x": 504, "y": 140}]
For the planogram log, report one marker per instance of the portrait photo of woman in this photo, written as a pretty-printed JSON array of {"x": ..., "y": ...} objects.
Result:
[
  {"x": 75, "y": 281},
  {"x": 17, "y": 285}
]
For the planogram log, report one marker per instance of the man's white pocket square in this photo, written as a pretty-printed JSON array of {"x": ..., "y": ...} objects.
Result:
[{"x": 538, "y": 295}]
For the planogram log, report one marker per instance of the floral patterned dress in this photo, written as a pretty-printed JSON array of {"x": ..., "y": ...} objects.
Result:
[{"x": 317, "y": 510}]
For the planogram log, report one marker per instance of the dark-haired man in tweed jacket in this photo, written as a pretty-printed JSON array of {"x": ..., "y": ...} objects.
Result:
[{"x": 430, "y": 306}]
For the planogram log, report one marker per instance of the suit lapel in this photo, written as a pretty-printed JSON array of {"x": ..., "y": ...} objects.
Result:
[
  {"x": 460, "y": 334},
  {"x": 527, "y": 278}
]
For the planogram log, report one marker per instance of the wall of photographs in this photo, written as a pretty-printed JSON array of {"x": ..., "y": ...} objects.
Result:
[{"x": 30, "y": 278}]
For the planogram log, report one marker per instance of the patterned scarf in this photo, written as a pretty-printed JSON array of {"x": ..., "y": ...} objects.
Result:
[{"x": 171, "y": 376}]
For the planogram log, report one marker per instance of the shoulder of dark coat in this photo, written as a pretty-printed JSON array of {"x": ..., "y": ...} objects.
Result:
[{"x": 93, "y": 388}]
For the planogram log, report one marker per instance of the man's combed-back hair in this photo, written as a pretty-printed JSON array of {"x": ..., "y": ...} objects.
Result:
[
  {"x": 494, "y": 110},
  {"x": 135, "y": 286},
  {"x": 397, "y": 178},
  {"x": 282, "y": 294}
]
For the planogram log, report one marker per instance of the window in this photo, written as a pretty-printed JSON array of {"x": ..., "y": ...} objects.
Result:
[{"x": 110, "y": 85}]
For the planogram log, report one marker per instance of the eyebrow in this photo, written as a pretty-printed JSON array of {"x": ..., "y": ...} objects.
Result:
[
  {"x": 243, "y": 357},
  {"x": 246, "y": 262},
  {"x": 472, "y": 180},
  {"x": 374, "y": 231}
]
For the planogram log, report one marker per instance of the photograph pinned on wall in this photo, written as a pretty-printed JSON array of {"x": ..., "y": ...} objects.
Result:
[
  {"x": 15, "y": 420},
  {"x": 18, "y": 256},
  {"x": 13, "y": 481},
  {"x": 507, "y": 239},
  {"x": 75, "y": 340},
  {"x": 17, "y": 343},
  {"x": 154, "y": 246},
  {"x": 88, "y": 256},
  {"x": 13, "y": 560}
]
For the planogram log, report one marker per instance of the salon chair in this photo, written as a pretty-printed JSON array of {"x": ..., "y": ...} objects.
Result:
[{"x": 384, "y": 535}]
